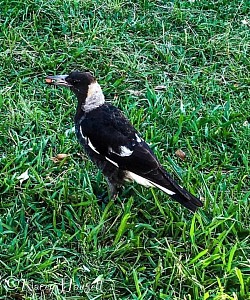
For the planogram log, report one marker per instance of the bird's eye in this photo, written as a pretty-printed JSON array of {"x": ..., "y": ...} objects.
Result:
[{"x": 74, "y": 81}]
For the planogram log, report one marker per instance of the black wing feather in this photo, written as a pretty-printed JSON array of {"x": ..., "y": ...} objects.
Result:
[{"x": 107, "y": 127}]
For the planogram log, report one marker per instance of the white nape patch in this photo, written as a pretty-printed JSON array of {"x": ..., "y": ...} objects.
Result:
[
  {"x": 112, "y": 162},
  {"x": 92, "y": 147},
  {"x": 147, "y": 183},
  {"x": 138, "y": 179},
  {"x": 138, "y": 139},
  {"x": 95, "y": 97}
]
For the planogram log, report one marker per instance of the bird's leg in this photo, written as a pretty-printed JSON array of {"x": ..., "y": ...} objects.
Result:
[
  {"x": 113, "y": 189},
  {"x": 111, "y": 194},
  {"x": 103, "y": 198},
  {"x": 114, "y": 178}
]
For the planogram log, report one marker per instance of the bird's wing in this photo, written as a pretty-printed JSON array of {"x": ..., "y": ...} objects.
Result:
[{"x": 111, "y": 134}]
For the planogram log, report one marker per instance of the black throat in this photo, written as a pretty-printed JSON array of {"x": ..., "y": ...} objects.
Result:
[{"x": 81, "y": 96}]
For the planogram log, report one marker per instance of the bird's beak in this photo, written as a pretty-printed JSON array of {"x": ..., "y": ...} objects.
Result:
[{"x": 57, "y": 80}]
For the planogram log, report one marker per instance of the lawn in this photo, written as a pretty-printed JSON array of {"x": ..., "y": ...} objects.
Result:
[{"x": 180, "y": 71}]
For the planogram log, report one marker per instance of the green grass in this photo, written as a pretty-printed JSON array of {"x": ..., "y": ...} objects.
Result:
[{"x": 56, "y": 242}]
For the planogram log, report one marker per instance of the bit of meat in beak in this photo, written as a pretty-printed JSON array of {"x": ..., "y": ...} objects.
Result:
[{"x": 57, "y": 80}]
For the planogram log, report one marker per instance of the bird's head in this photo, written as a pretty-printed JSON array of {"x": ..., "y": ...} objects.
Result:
[
  {"x": 78, "y": 82},
  {"x": 84, "y": 85}
]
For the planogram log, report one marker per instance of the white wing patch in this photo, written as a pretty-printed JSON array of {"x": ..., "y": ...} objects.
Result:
[
  {"x": 147, "y": 183},
  {"x": 138, "y": 139},
  {"x": 167, "y": 191},
  {"x": 83, "y": 136},
  {"x": 92, "y": 147},
  {"x": 143, "y": 181},
  {"x": 112, "y": 162},
  {"x": 124, "y": 151},
  {"x": 88, "y": 142}
]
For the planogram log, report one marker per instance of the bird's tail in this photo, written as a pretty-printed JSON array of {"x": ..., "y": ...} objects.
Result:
[
  {"x": 170, "y": 187},
  {"x": 188, "y": 200}
]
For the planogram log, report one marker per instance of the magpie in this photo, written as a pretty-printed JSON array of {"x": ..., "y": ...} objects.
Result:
[{"x": 113, "y": 144}]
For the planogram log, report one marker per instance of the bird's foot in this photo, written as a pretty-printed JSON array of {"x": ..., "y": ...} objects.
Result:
[{"x": 103, "y": 199}]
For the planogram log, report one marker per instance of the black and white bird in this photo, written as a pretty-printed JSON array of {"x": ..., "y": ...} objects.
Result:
[{"x": 113, "y": 144}]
